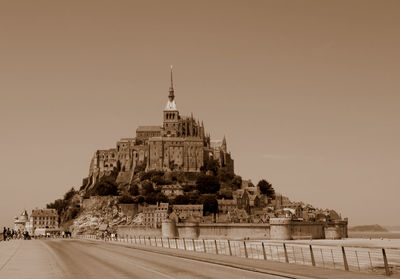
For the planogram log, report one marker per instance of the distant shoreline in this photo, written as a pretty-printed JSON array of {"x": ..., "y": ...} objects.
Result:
[{"x": 388, "y": 234}]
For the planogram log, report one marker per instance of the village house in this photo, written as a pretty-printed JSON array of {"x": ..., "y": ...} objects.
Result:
[
  {"x": 172, "y": 190},
  {"x": 225, "y": 206},
  {"x": 184, "y": 211}
]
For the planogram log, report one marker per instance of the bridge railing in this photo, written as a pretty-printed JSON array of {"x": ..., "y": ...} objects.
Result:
[{"x": 364, "y": 259}]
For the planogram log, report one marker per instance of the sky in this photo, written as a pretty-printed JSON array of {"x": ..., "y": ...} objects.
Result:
[{"x": 307, "y": 93}]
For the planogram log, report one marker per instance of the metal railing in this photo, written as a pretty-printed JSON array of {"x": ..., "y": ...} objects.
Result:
[{"x": 363, "y": 259}]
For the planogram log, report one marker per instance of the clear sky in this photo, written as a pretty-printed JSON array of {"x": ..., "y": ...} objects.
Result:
[{"x": 306, "y": 92}]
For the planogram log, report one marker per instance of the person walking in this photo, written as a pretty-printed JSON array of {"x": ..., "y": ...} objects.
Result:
[
  {"x": 8, "y": 233},
  {"x": 4, "y": 234}
]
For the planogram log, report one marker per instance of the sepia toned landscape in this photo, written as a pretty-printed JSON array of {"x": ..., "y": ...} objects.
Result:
[{"x": 206, "y": 139}]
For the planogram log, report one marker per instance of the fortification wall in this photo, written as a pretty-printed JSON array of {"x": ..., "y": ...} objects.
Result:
[
  {"x": 224, "y": 231},
  {"x": 280, "y": 228},
  {"x": 336, "y": 230},
  {"x": 138, "y": 230},
  {"x": 308, "y": 230},
  {"x": 286, "y": 229}
]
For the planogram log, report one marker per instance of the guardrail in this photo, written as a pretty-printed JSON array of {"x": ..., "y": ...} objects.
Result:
[{"x": 369, "y": 259}]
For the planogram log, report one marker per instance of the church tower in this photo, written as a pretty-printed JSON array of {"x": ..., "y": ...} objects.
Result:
[{"x": 171, "y": 113}]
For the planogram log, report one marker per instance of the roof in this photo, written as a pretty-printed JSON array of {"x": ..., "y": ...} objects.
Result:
[
  {"x": 148, "y": 129},
  {"x": 171, "y": 187},
  {"x": 188, "y": 206},
  {"x": 44, "y": 212},
  {"x": 227, "y": 202},
  {"x": 215, "y": 143}
]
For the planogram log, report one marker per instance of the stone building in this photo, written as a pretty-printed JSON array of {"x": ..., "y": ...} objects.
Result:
[
  {"x": 225, "y": 206},
  {"x": 184, "y": 211},
  {"x": 21, "y": 222},
  {"x": 172, "y": 190},
  {"x": 180, "y": 144},
  {"x": 149, "y": 215},
  {"x": 154, "y": 215},
  {"x": 44, "y": 219}
]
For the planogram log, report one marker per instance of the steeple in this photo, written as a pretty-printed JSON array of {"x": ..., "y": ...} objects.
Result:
[
  {"x": 171, "y": 102},
  {"x": 224, "y": 146},
  {"x": 171, "y": 95}
]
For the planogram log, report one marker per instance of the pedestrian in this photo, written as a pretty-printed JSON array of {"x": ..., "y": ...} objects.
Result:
[{"x": 4, "y": 234}]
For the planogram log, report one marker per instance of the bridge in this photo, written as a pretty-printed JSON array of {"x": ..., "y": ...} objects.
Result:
[{"x": 76, "y": 258}]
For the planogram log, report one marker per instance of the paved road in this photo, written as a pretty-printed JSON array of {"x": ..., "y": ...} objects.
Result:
[{"x": 79, "y": 259}]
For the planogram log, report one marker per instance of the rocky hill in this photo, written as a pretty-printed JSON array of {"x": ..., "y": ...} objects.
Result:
[{"x": 368, "y": 228}]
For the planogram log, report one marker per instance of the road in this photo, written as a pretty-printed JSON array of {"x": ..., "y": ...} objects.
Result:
[{"x": 80, "y": 259}]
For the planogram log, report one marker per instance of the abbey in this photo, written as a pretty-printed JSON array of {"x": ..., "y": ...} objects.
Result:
[{"x": 180, "y": 144}]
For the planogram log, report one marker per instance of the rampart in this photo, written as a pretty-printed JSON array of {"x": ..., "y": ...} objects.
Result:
[
  {"x": 138, "y": 230},
  {"x": 278, "y": 229}
]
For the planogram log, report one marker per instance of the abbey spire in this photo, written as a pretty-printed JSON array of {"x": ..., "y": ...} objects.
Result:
[{"x": 171, "y": 97}]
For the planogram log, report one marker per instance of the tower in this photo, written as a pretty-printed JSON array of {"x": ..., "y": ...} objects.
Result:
[
  {"x": 224, "y": 146},
  {"x": 171, "y": 113}
]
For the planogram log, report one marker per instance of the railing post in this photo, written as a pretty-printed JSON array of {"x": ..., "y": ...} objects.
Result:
[
  {"x": 346, "y": 265},
  {"x": 263, "y": 250},
  {"x": 286, "y": 255},
  {"x": 184, "y": 244},
  {"x": 204, "y": 246},
  {"x": 387, "y": 270},
  {"x": 176, "y": 243},
  {"x": 229, "y": 246},
  {"x": 294, "y": 255},
  {"x": 245, "y": 249},
  {"x": 169, "y": 244},
  {"x": 358, "y": 263},
  {"x": 194, "y": 245},
  {"x": 216, "y": 246}
]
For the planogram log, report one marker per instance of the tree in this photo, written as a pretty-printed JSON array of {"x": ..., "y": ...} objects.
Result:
[
  {"x": 236, "y": 182},
  {"x": 207, "y": 184},
  {"x": 210, "y": 204},
  {"x": 266, "y": 188},
  {"x": 147, "y": 188},
  {"x": 106, "y": 186},
  {"x": 70, "y": 194},
  {"x": 182, "y": 199},
  {"x": 210, "y": 165},
  {"x": 126, "y": 199},
  {"x": 134, "y": 190},
  {"x": 154, "y": 197},
  {"x": 139, "y": 199},
  {"x": 225, "y": 175}
]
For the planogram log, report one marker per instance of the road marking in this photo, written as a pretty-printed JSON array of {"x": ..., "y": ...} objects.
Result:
[
  {"x": 218, "y": 263},
  {"x": 9, "y": 259}
]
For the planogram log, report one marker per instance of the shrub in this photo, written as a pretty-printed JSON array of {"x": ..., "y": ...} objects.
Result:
[
  {"x": 210, "y": 204},
  {"x": 134, "y": 190},
  {"x": 266, "y": 188},
  {"x": 207, "y": 184},
  {"x": 126, "y": 199}
]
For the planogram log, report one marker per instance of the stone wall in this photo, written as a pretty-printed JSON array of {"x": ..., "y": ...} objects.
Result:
[
  {"x": 336, "y": 230},
  {"x": 278, "y": 228},
  {"x": 138, "y": 231}
]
